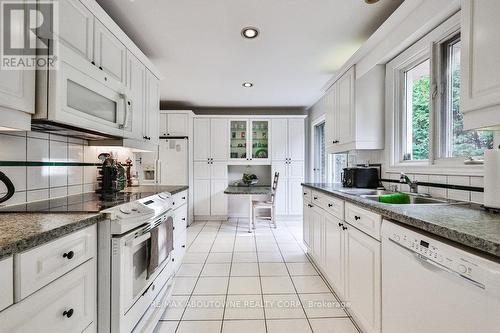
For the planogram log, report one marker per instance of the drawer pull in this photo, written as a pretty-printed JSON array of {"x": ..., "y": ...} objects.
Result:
[
  {"x": 183, "y": 246},
  {"x": 184, "y": 219},
  {"x": 315, "y": 198},
  {"x": 341, "y": 224},
  {"x": 68, "y": 313},
  {"x": 183, "y": 198},
  {"x": 310, "y": 206},
  {"x": 305, "y": 193},
  {"x": 330, "y": 205},
  {"x": 69, "y": 255},
  {"x": 344, "y": 228},
  {"x": 357, "y": 218}
]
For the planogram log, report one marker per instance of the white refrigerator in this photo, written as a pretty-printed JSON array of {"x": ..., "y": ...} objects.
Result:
[{"x": 173, "y": 162}]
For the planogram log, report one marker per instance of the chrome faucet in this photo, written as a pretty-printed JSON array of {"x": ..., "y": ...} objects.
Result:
[{"x": 404, "y": 179}]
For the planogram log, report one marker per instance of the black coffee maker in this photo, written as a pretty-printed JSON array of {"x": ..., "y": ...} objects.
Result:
[{"x": 111, "y": 178}]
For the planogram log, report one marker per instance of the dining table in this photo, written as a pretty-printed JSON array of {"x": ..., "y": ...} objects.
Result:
[{"x": 249, "y": 192}]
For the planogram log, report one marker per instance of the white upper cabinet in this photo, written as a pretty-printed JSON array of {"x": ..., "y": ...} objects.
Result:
[
  {"x": 76, "y": 28},
  {"x": 109, "y": 53},
  {"x": 177, "y": 124},
  {"x": 152, "y": 112},
  {"x": 480, "y": 96},
  {"x": 279, "y": 142},
  {"x": 136, "y": 84},
  {"x": 249, "y": 141},
  {"x": 219, "y": 139},
  {"x": 355, "y": 112},
  {"x": 201, "y": 140},
  {"x": 296, "y": 140},
  {"x": 17, "y": 94}
]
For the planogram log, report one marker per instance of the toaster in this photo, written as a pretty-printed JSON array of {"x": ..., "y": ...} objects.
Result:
[{"x": 360, "y": 177}]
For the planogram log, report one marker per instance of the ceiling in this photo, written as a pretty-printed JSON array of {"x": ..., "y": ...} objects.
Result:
[{"x": 197, "y": 46}]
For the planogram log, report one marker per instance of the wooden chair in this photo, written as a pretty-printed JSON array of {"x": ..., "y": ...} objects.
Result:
[{"x": 269, "y": 204}]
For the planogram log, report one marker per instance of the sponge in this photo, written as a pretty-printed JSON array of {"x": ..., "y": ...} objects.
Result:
[{"x": 396, "y": 198}]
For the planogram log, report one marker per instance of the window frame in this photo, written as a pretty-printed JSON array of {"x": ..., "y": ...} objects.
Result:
[{"x": 428, "y": 46}]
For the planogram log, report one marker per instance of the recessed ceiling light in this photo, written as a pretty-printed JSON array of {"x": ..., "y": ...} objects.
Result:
[
  {"x": 247, "y": 84},
  {"x": 250, "y": 32}
]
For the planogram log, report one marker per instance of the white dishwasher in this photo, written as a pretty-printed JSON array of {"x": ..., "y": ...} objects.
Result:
[{"x": 432, "y": 287}]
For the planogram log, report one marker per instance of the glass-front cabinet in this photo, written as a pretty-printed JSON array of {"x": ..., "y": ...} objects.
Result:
[{"x": 249, "y": 140}]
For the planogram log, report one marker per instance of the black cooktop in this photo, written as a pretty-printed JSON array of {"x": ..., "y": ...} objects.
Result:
[{"x": 80, "y": 203}]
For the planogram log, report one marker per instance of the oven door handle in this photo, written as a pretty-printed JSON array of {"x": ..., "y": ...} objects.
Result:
[{"x": 138, "y": 240}]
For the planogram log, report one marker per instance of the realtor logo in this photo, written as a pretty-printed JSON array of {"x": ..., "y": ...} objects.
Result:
[{"x": 28, "y": 32}]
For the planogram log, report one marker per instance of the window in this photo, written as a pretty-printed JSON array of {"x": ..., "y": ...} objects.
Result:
[
  {"x": 456, "y": 142},
  {"x": 423, "y": 101},
  {"x": 417, "y": 112},
  {"x": 319, "y": 169}
]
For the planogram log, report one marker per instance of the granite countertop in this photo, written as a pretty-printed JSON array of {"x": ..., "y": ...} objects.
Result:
[
  {"x": 26, "y": 226},
  {"x": 22, "y": 231},
  {"x": 248, "y": 190},
  {"x": 465, "y": 224}
]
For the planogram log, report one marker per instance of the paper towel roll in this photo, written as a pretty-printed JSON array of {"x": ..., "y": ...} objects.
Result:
[{"x": 492, "y": 178}]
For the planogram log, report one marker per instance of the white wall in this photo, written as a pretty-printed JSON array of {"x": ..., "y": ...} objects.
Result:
[{"x": 34, "y": 183}]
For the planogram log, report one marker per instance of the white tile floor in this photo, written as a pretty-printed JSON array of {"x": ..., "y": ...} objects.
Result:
[{"x": 231, "y": 281}]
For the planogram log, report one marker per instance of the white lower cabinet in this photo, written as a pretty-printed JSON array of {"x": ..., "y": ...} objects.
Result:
[
  {"x": 348, "y": 257},
  {"x": 334, "y": 254},
  {"x": 210, "y": 182},
  {"x": 364, "y": 278},
  {"x": 180, "y": 224},
  {"x": 66, "y": 305},
  {"x": 6, "y": 283}
]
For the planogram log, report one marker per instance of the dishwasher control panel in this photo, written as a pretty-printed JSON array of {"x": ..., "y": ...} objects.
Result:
[{"x": 437, "y": 253}]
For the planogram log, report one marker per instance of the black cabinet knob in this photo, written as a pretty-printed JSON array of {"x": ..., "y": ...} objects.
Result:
[
  {"x": 315, "y": 198},
  {"x": 183, "y": 246},
  {"x": 310, "y": 206},
  {"x": 93, "y": 63},
  {"x": 344, "y": 228},
  {"x": 330, "y": 205},
  {"x": 68, "y": 313},
  {"x": 69, "y": 255},
  {"x": 184, "y": 219},
  {"x": 100, "y": 67},
  {"x": 357, "y": 218},
  {"x": 173, "y": 259},
  {"x": 183, "y": 198},
  {"x": 341, "y": 224}
]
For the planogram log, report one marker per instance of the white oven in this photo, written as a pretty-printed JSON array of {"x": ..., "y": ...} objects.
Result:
[{"x": 134, "y": 285}]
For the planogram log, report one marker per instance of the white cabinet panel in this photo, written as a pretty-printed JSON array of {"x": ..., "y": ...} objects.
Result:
[
  {"x": 109, "y": 53},
  {"x": 282, "y": 190},
  {"x": 177, "y": 124},
  {"x": 201, "y": 140},
  {"x": 76, "y": 28},
  {"x": 201, "y": 197},
  {"x": 40, "y": 266},
  {"x": 306, "y": 228},
  {"x": 136, "y": 84},
  {"x": 334, "y": 254},
  {"x": 163, "y": 124},
  {"x": 153, "y": 108},
  {"x": 318, "y": 236},
  {"x": 219, "y": 139},
  {"x": 279, "y": 139},
  {"x": 67, "y": 305},
  {"x": 202, "y": 170},
  {"x": 218, "y": 198},
  {"x": 480, "y": 86},
  {"x": 218, "y": 170},
  {"x": 6, "y": 283},
  {"x": 346, "y": 107},
  {"x": 296, "y": 170},
  {"x": 363, "y": 279},
  {"x": 296, "y": 139},
  {"x": 295, "y": 197}
]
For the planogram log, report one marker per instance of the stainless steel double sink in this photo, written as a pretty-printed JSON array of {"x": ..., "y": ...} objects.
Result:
[{"x": 415, "y": 199}]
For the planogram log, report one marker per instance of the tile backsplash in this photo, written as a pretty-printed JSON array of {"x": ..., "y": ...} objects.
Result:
[{"x": 69, "y": 165}]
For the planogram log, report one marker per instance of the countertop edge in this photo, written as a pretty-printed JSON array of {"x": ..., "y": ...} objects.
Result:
[
  {"x": 48, "y": 236},
  {"x": 482, "y": 245}
]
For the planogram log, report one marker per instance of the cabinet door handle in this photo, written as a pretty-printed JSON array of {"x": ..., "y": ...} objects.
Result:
[
  {"x": 344, "y": 228},
  {"x": 100, "y": 67},
  {"x": 315, "y": 198},
  {"x": 183, "y": 198},
  {"x": 341, "y": 224},
  {"x": 310, "y": 206},
  {"x": 93, "y": 63},
  {"x": 183, "y": 246},
  {"x": 68, "y": 313},
  {"x": 305, "y": 193},
  {"x": 69, "y": 255},
  {"x": 357, "y": 218},
  {"x": 330, "y": 205},
  {"x": 184, "y": 219}
]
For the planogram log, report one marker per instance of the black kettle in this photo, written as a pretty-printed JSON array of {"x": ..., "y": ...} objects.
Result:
[{"x": 10, "y": 187}]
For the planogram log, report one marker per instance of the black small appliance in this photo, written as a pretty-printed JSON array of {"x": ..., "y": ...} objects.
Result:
[{"x": 361, "y": 177}]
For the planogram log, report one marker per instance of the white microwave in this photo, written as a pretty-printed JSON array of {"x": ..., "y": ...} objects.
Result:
[{"x": 78, "y": 100}]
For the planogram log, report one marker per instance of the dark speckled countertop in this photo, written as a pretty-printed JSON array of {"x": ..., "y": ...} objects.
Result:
[
  {"x": 464, "y": 224},
  {"x": 23, "y": 227}
]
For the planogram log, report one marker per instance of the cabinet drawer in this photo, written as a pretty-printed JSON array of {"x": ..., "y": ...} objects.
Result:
[
  {"x": 364, "y": 220},
  {"x": 66, "y": 305},
  {"x": 6, "y": 283},
  {"x": 332, "y": 205},
  {"x": 180, "y": 220},
  {"x": 179, "y": 199},
  {"x": 307, "y": 195},
  {"x": 40, "y": 266}
]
